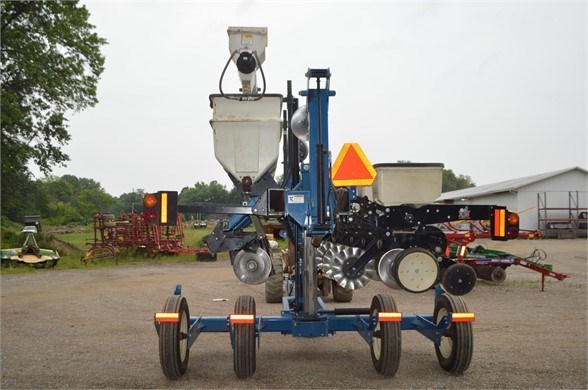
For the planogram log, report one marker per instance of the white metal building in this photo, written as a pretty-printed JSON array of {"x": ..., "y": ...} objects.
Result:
[{"x": 542, "y": 201}]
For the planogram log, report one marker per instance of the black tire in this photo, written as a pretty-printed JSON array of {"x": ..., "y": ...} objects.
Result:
[
  {"x": 325, "y": 287},
  {"x": 174, "y": 352},
  {"x": 456, "y": 347},
  {"x": 274, "y": 285},
  {"x": 341, "y": 294},
  {"x": 244, "y": 348},
  {"x": 498, "y": 275},
  {"x": 386, "y": 344}
]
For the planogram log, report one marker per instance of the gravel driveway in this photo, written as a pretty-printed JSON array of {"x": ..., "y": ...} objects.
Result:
[{"x": 93, "y": 329}]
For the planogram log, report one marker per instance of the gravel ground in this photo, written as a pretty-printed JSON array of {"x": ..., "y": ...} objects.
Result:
[{"x": 93, "y": 329}]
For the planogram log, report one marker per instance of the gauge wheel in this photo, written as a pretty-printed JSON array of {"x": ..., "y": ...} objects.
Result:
[
  {"x": 244, "y": 339},
  {"x": 385, "y": 346},
  {"x": 174, "y": 352},
  {"x": 456, "y": 345},
  {"x": 341, "y": 294}
]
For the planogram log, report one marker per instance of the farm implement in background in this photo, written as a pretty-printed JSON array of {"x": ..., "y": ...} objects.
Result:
[
  {"x": 491, "y": 264},
  {"x": 457, "y": 230},
  {"x": 29, "y": 253},
  {"x": 132, "y": 231}
]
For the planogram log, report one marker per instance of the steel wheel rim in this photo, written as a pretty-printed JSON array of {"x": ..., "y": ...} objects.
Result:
[
  {"x": 446, "y": 343},
  {"x": 183, "y": 336}
]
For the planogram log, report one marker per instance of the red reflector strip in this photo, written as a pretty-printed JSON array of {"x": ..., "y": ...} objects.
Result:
[
  {"x": 167, "y": 317},
  {"x": 242, "y": 319},
  {"x": 499, "y": 222},
  {"x": 463, "y": 317},
  {"x": 389, "y": 317}
]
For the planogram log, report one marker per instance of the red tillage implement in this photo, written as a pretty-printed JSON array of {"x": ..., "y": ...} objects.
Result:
[{"x": 130, "y": 230}]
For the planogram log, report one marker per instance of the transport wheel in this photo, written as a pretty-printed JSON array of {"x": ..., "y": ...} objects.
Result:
[
  {"x": 341, "y": 294},
  {"x": 456, "y": 346},
  {"x": 173, "y": 338},
  {"x": 274, "y": 285},
  {"x": 385, "y": 346},
  {"x": 498, "y": 275},
  {"x": 244, "y": 347},
  {"x": 325, "y": 287}
]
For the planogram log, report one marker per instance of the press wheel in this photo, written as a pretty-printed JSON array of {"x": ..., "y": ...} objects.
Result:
[
  {"x": 244, "y": 339},
  {"x": 173, "y": 338},
  {"x": 385, "y": 346},
  {"x": 456, "y": 346}
]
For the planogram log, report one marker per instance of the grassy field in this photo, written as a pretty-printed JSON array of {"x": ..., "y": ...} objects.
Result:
[{"x": 80, "y": 237}]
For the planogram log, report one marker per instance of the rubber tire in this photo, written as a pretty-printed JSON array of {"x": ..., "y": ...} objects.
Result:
[
  {"x": 341, "y": 294},
  {"x": 498, "y": 275},
  {"x": 173, "y": 340},
  {"x": 454, "y": 353},
  {"x": 386, "y": 343},
  {"x": 274, "y": 285},
  {"x": 244, "y": 339},
  {"x": 327, "y": 287}
]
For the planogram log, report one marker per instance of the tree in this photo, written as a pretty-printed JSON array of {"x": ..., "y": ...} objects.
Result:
[
  {"x": 92, "y": 201},
  {"x": 452, "y": 182},
  {"x": 50, "y": 65},
  {"x": 131, "y": 201},
  {"x": 213, "y": 192}
]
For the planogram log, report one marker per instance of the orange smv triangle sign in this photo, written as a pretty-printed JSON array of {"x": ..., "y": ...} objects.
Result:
[{"x": 352, "y": 167}]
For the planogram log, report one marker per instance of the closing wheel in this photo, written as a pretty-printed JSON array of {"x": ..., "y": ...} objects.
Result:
[
  {"x": 244, "y": 347},
  {"x": 456, "y": 346},
  {"x": 341, "y": 294},
  {"x": 385, "y": 346},
  {"x": 459, "y": 279},
  {"x": 173, "y": 338}
]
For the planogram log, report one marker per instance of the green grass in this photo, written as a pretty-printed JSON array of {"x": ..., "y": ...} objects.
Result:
[{"x": 192, "y": 238}]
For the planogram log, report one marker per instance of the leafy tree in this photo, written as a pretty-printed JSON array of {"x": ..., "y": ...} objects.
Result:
[
  {"x": 453, "y": 182},
  {"x": 61, "y": 213},
  {"x": 50, "y": 64},
  {"x": 214, "y": 192},
  {"x": 92, "y": 201},
  {"x": 131, "y": 201},
  {"x": 59, "y": 189}
]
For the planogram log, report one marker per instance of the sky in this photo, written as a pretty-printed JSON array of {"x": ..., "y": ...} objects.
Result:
[{"x": 493, "y": 90}]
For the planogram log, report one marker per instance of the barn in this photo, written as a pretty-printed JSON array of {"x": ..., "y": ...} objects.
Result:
[{"x": 554, "y": 202}]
